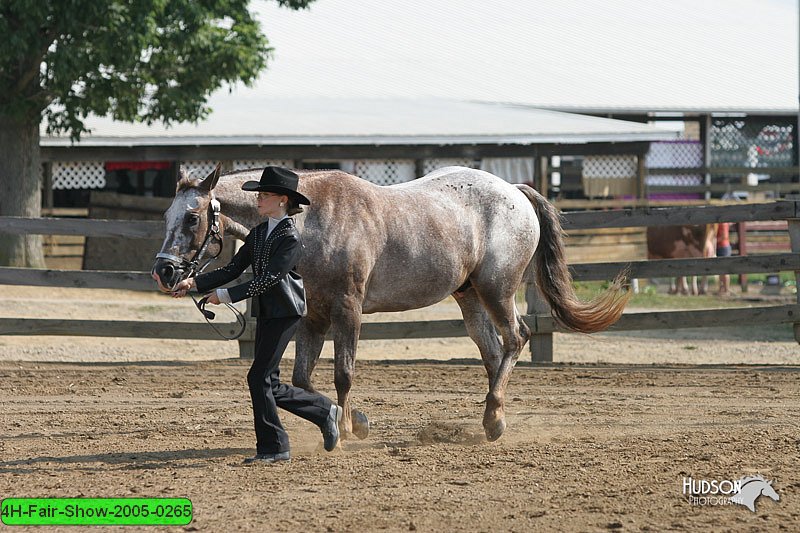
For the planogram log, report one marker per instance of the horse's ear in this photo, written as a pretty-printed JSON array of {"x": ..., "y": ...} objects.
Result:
[{"x": 211, "y": 180}]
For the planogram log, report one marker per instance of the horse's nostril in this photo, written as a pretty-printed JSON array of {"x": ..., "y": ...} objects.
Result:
[{"x": 165, "y": 272}]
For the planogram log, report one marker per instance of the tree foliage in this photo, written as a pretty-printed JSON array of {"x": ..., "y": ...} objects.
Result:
[{"x": 134, "y": 60}]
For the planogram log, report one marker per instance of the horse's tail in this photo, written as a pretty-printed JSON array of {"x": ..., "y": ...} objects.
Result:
[{"x": 555, "y": 281}]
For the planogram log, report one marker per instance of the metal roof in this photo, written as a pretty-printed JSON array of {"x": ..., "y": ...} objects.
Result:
[
  {"x": 668, "y": 54},
  {"x": 341, "y": 121},
  {"x": 674, "y": 112}
]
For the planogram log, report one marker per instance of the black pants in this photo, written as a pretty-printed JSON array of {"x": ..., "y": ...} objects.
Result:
[{"x": 268, "y": 393}]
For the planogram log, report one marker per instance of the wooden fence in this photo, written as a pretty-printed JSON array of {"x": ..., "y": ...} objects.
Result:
[
  {"x": 538, "y": 317},
  {"x": 788, "y": 210}
]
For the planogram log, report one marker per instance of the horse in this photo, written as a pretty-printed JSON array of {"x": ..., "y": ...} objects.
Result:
[
  {"x": 369, "y": 248},
  {"x": 682, "y": 242},
  {"x": 751, "y": 487}
]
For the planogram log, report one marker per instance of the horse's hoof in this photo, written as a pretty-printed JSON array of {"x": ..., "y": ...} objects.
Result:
[
  {"x": 494, "y": 430},
  {"x": 360, "y": 424}
]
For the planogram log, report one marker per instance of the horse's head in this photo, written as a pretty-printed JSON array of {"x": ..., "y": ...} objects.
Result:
[
  {"x": 194, "y": 231},
  {"x": 769, "y": 491}
]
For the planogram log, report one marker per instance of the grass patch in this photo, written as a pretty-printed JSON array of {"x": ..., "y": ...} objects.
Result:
[
  {"x": 786, "y": 277},
  {"x": 650, "y": 298},
  {"x": 653, "y": 297}
]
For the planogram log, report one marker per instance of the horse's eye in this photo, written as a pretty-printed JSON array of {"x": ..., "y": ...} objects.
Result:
[{"x": 192, "y": 219}]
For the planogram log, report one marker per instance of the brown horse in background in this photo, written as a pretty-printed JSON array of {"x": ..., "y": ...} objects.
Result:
[
  {"x": 683, "y": 242},
  {"x": 456, "y": 231}
]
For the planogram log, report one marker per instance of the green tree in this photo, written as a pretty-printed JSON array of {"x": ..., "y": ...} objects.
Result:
[{"x": 133, "y": 60}]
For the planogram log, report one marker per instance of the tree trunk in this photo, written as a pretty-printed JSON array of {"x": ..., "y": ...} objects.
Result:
[{"x": 20, "y": 189}]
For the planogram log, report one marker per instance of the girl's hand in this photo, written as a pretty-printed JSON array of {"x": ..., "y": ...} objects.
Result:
[
  {"x": 212, "y": 298},
  {"x": 183, "y": 287}
]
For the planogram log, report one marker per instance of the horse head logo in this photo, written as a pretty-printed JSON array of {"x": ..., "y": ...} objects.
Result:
[{"x": 751, "y": 487}]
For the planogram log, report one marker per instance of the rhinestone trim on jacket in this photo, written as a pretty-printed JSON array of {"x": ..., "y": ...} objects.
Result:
[{"x": 262, "y": 248}]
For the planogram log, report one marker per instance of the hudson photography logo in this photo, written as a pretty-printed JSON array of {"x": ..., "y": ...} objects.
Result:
[{"x": 744, "y": 491}]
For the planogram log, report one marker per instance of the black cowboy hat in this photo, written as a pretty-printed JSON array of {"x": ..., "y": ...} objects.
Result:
[{"x": 278, "y": 180}]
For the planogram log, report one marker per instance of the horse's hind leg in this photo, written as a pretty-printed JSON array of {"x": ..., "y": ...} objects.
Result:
[
  {"x": 481, "y": 330},
  {"x": 498, "y": 359},
  {"x": 346, "y": 327},
  {"x": 504, "y": 315},
  {"x": 309, "y": 340}
]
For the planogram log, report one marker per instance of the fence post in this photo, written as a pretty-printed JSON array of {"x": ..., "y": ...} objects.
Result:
[
  {"x": 247, "y": 344},
  {"x": 741, "y": 231},
  {"x": 545, "y": 176},
  {"x": 641, "y": 177},
  {"x": 794, "y": 236},
  {"x": 541, "y": 343}
]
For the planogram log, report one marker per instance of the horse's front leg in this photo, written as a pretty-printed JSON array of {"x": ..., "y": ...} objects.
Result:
[
  {"x": 309, "y": 341},
  {"x": 683, "y": 286},
  {"x": 673, "y": 286},
  {"x": 703, "y": 287},
  {"x": 346, "y": 328}
]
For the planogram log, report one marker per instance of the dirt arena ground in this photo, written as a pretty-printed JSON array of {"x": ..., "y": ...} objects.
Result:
[{"x": 601, "y": 440}]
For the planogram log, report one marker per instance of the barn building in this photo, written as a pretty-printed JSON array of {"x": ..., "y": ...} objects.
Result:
[{"x": 385, "y": 141}]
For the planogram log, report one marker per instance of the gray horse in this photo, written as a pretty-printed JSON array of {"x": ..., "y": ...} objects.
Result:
[{"x": 368, "y": 249}]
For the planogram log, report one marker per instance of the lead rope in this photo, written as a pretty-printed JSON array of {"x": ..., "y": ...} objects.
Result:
[
  {"x": 193, "y": 264},
  {"x": 209, "y": 316}
]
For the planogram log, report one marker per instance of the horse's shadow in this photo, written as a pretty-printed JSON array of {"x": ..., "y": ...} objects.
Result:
[{"x": 125, "y": 460}]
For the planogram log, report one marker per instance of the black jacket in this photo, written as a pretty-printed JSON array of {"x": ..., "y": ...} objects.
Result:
[{"x": 276, "y": 288}]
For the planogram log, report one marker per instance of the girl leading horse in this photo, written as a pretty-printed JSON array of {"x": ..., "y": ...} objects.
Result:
[{"x": 456, "y": 231}]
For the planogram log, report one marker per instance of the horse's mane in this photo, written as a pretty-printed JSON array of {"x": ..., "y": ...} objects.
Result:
[
  {"x": 758, "y": 477},
  {"x": 186, "y": 183}
]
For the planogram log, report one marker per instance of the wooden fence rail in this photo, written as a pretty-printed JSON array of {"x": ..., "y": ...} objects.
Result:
[
  {"x": 134, "y": 229},
  {"x": 141, "y": 281},
  {"x": 538, "y": 318},
  {"x": 676, "y": 216},
  {"x": 623, "y": 218}
]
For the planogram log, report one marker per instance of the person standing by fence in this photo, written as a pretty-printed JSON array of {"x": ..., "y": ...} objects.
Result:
[{"x": 273, "y": 248}]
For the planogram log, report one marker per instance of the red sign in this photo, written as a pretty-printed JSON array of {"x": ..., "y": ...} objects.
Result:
[{"x": 137, "y": 165}]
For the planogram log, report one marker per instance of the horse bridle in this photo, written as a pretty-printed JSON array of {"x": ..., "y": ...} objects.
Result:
[{"x": 192, "y": 268}]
